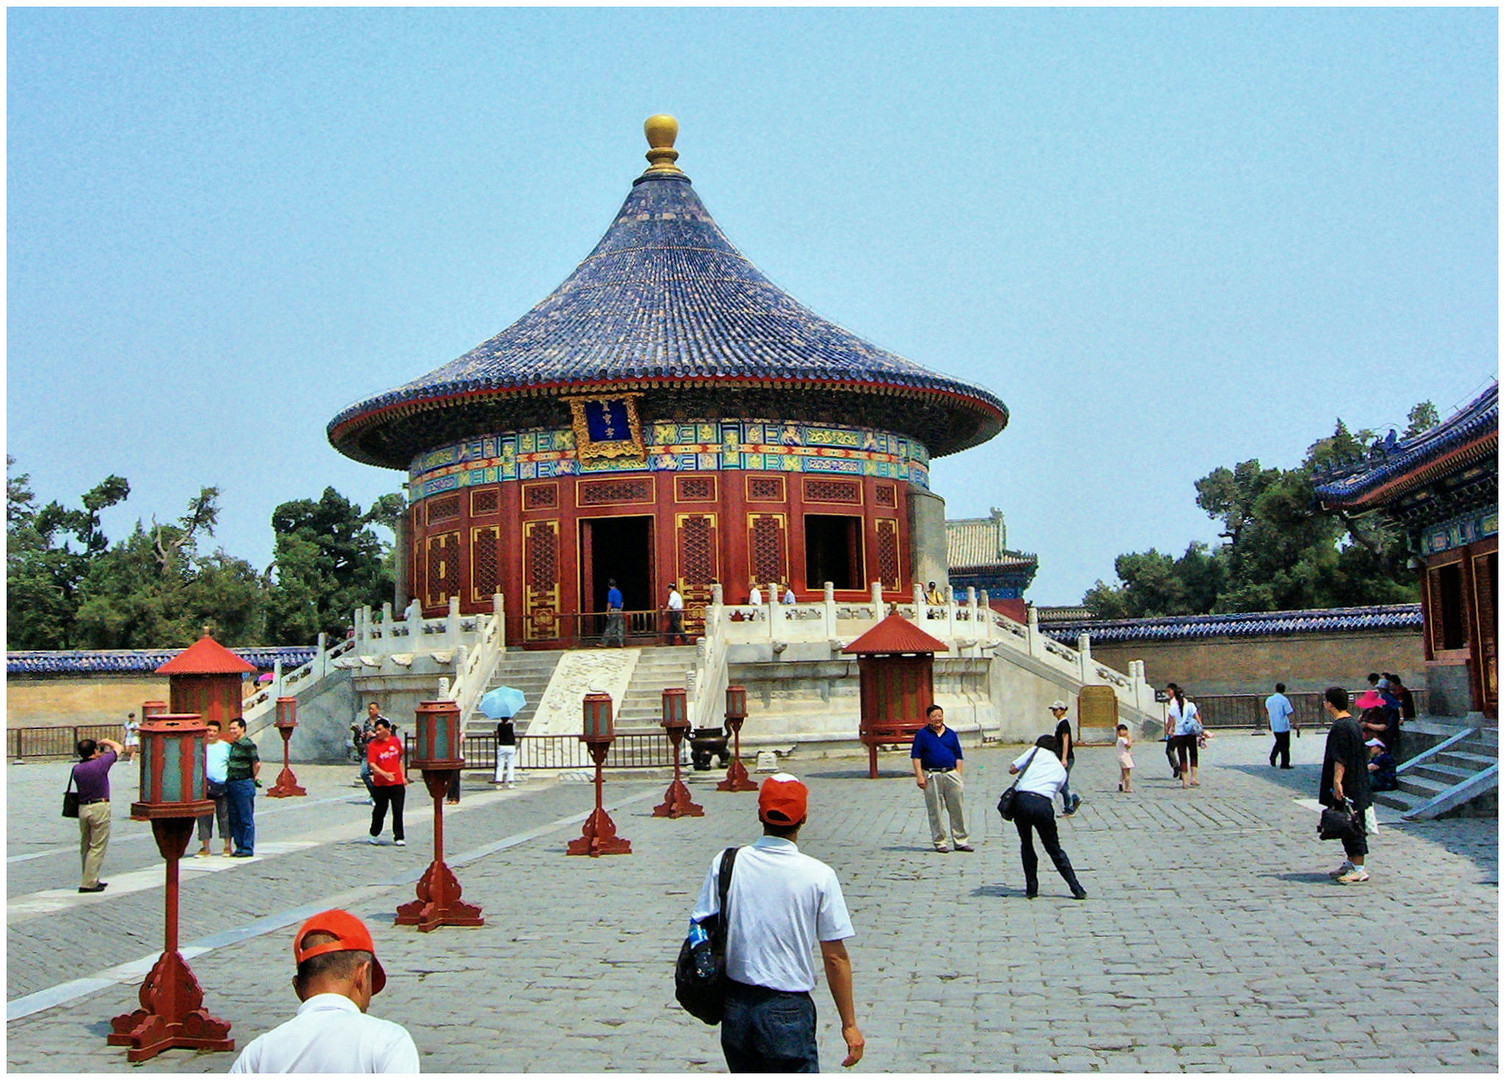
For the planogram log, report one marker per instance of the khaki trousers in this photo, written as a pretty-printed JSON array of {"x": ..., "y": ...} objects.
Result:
[
  {"x": 93, "y": 838},
  {"x": 944, "y": 790}
]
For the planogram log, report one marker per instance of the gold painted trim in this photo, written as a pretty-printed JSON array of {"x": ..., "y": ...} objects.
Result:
[{"x": 587, "y": 449}]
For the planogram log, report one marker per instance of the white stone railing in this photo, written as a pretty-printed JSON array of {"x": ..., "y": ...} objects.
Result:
[
  {"x": 475, "y": 663},
  {"x": 413, "y": 634},
  {"x": 705, "y": 682},
  {"x": 260, "y": 708},
  {"x": 969, "y": 628}
]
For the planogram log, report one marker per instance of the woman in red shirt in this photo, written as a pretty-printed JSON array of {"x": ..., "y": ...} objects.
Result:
[{"x": 384, "y": 752}]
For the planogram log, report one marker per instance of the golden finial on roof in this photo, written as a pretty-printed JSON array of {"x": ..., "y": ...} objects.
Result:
[{"x": 661, "y": 131}]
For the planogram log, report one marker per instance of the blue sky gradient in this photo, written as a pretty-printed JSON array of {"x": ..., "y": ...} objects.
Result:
[{"x": 1168, "y": 239}]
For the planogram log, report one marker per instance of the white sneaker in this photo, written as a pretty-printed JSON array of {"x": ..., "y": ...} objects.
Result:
[
  {"x": 1346, "y": 868},
  {"x": 373, "y": 840},
  {"x": 401, "y": 843},
  {"x": 512, "y": 785},
  {"x": 1354, "y": 877}
]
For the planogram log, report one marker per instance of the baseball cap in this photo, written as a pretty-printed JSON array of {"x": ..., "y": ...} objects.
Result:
[
  {"x": 782, "y": 799},
  {"x": 1057, "y": 704},
  {"x": 350, "y": 935},
  {"x": 1383, "y": 684},
  {"x": 1375, "y": 742}
]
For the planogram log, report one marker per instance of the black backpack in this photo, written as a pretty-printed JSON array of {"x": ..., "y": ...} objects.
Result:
[{"x": 700, "y": 971}]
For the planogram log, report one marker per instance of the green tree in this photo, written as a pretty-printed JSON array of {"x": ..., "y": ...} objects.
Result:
[
  {"x": 1422, "y": 417},
  {"x": 327, "y": 561}
]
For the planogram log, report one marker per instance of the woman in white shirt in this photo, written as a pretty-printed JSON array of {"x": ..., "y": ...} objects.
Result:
[
  {"x": 1188, "y": 726},
  {"x": 1041, "y": 776}
]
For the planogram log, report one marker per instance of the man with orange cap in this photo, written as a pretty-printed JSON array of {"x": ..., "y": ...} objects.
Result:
[
  {"x": 780, "y": 903},
  {"x": 338, "y": 974}
]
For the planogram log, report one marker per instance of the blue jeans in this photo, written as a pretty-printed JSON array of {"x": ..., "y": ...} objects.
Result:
[
  {"x": 767, "y": 1030},
  {"x": 1068, "y": 800},
  {"x": 242, "y": 796}
]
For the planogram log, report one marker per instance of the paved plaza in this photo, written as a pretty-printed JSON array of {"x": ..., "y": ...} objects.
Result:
[{"x": 1212, "y": 939}]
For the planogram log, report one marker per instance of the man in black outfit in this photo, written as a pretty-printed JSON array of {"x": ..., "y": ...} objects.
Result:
[
  {"x": 1345, "y": 774},
  {"x": 1067, "y": 753}
]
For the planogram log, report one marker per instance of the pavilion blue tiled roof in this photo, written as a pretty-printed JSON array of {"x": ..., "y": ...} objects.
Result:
[
  {"x": 1244, "y": 624},
  {"x": 137, "y": 661},
  {"x": 664, "y": 300},
  {"x": 1469, "y": 435}
]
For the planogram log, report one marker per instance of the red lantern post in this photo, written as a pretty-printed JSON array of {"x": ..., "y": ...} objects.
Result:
[
  {"x": 287, "y": 719},
  {"x": 736, "y": 712},
  {"x": 677, "y": 798},
  {"x": 172, "y": 797},
  {"x": 599, "y": 835},
  {"x": 438, "y": 757}
]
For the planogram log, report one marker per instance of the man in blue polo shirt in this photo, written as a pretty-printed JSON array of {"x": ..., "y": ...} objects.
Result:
[{"x": 937, "y": 758}]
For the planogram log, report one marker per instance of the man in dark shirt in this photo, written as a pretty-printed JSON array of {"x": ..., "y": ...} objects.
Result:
[
  {"x": 240, "y": 787},
  {"x": 1345, "y": 774},
  {"x": 91, "y": 778},
  {"x": 1069, "y": 801},
  {"x": 936, "y": 754},
  {"x": 616, "y": 622}
]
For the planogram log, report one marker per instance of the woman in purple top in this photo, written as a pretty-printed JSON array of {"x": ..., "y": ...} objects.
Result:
[{"x": 91, "y": 778}]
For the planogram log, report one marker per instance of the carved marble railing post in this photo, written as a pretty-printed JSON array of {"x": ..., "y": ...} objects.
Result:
[
  {"x": 1084, "y": 658},
  {"x": 877, "y": 595},
  {"x": 386, "y": 613},
  {"x": 412, "y": 617},
  {"x": 321, "y": 667},
  {"x": 950, "y": 616},
  {"x": 444, "y": 688},
  {"x": 1032, "y": 639},
  {"x": 499, "y": 612},
  {"x": 452, "y": 624},
  {"x": 986, "y": 632},
  {"x": 830, "y": 611},
  {"x": 921, "y": 609}
]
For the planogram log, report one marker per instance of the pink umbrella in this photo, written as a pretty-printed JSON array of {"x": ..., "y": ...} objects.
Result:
[{"x": 266, "y": 677}]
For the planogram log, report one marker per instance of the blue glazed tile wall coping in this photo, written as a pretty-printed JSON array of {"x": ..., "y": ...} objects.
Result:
[
  {"x": 136, "y": 661},
  {"x": 1244, "y": 624}
]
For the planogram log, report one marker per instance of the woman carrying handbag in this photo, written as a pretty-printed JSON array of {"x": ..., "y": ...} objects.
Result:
[{"x": 1041, "y": 775}]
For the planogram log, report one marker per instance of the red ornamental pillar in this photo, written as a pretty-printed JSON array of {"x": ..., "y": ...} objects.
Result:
[
  {"x": 736, "y": 712},
  {"x": 287, "y": 719},
  {"x": 677, "y": 798},
  {"x": 438, "y": 756},
  {"x": 172, "y": 797},
  {"x": 599, "y": 835}
]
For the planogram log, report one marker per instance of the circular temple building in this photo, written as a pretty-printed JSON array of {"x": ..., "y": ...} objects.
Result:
[{"x": 666, "y": 416}]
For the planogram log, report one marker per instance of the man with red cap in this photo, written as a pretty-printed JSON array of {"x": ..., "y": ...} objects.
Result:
[
  {"x": 780, "y": 904},
  {"x": 338, "y": 974}
]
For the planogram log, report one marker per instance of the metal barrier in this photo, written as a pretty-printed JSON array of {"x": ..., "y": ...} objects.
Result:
[
  {"x": 1248, "y": 710},
  {"x": 597, "y": 629},
  {"x": 26, "y": 743},
  {"x": 630, "y": 750}
]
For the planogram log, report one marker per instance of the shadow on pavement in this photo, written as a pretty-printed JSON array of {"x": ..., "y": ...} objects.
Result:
[
  {"x": 1300, "y": 780},
  {"x": 999, "y": 890}
]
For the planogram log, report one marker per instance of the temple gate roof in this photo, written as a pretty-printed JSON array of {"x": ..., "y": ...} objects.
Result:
[{"x": 665, "y": 304}]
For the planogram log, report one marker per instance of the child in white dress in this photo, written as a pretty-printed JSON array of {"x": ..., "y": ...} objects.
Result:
[{"x": 1125, "y": 759}]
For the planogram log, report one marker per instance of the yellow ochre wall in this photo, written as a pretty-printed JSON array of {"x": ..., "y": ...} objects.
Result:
[{"x": 61, "y": 701}]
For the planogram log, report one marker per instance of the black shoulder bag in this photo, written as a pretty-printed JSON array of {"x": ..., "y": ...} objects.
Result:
[
  {"x": 1338, "y": 822},
  {"x": 1006, "y": 800},
  {"x": 70, "y": 798},
  {"x": 700, "y": 971}
]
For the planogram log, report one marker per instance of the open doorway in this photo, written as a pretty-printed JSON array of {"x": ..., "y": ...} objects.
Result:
[
  {"x": 619, "y": 548},
  {"x": 833, "y": 551}
]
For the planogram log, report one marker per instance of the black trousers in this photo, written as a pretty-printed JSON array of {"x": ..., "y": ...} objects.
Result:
[
  {"x": 1170, "y": 755},
  {"x": 1282, "y": 748},
  {"x": 1186, "y": 747},
  {"x": 388, "y": 795},
  {"x": 1036, "y": 812}
]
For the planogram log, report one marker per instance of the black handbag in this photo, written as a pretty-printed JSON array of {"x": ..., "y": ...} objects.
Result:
[
  {"x": 1006, "y": 800},
  {"x": 1338, "y": 822},
  {"x": 70, "y": 798},
  {"x": 700, "y": 971}
]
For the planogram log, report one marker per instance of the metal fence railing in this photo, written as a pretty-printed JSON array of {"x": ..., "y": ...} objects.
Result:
[
  {"x": 596, "y": 629},
  {"x": 630, "y": 750},
  {"x": 30, "y": 743},
  {"x": 1248, "y": 710}
]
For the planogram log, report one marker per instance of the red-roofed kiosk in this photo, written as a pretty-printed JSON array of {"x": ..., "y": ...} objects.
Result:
[
  {"x": 205, "y": 679},
  {"x": 896, "y": 673}
]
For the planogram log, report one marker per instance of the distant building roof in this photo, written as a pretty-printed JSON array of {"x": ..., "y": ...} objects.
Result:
[
  {"x": 975, "y": 543},
  {"x": 665, "y": 304},
  {"x": 1245, "y": 624},
  {"x": 1062, "y": 613},
  {"x": 136, "y": 661},
  {"x": 896, "y": 634},
  {"x": 1395, "y": 467}
]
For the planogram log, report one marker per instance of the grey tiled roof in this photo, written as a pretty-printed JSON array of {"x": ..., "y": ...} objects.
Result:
[
  {"x": 1245, "y": 624},
  {"x": 664, "y": 300},
  {"x": 973, "y": 543}
]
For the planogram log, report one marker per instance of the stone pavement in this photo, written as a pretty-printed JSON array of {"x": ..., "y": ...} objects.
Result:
[{"x": 1212, "y": 939}]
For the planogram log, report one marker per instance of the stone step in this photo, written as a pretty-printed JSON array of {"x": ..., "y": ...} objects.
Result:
[
  {"x": 1421, "y": 786},
  {"x": 1443, "y": 772},
  {"x": 1471, "y": 759},
  {"x": 1397, "y": 800}
]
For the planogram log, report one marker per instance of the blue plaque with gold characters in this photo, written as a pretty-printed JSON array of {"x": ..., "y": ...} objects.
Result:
[{"x": 607, "y": 426}]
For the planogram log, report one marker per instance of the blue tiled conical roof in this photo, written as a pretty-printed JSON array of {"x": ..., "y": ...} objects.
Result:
[{"x": 666, "y": 304}]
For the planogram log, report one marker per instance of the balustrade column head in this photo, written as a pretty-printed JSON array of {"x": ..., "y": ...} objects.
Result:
[
  {"x": 830, "y": 592},
  {"x": 443, "y": 688},
  {"x": 1033, "y": 617},
  {"x": 716, "y": 594}
]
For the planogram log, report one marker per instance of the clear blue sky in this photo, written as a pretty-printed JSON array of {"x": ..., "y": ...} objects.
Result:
[{"x": 1168, "y": 239}]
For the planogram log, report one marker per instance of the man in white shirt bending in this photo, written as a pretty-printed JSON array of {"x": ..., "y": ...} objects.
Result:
[
  {"x": 781, "y": 903},
  {"x": 338, "y": 974}
]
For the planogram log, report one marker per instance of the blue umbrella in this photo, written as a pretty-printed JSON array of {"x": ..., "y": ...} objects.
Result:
[{"x": 503, "y": 702}]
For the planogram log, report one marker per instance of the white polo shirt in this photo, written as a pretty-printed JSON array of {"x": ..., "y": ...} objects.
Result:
[
  {"x": 330, "y": 1034},
  {"x": 782, "y": 904},
  {"x": 1045, "y": 775}
]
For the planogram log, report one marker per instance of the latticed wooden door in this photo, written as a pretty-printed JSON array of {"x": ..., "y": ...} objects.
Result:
[
  {"x": 541, "y": 581},
  {"x": 485, "y": 562},
  {"x": 442, "y": 556},
  {"x": 696, "y": 565},
  {"x": 888, "y": 554},
  {"x": 768, "y": 549}
]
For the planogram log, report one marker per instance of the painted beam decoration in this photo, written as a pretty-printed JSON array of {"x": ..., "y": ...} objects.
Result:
[{"x": 606, "y": 428}]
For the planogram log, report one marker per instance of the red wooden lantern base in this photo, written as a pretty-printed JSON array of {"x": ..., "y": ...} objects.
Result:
[
  {"x": 172, "y": 1013},
  {"x": 287, "y": 783},
  {"x": 599, "y": 834},
  {"x": 736, "y": 773},
  {"x": 438, "y": 902},
  {"x": 677, "y": 802}
]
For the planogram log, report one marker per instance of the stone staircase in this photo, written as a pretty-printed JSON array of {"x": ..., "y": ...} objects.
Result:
[
  {"x": 529, "y": 672},
  {"x": 1459, "y": 772},
  {"x": 658, "y": 667}
]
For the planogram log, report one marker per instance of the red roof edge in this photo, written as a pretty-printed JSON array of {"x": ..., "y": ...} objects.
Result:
[
  {"x": 896, "y": 634},
  {"x": 205, "y": 657}
]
